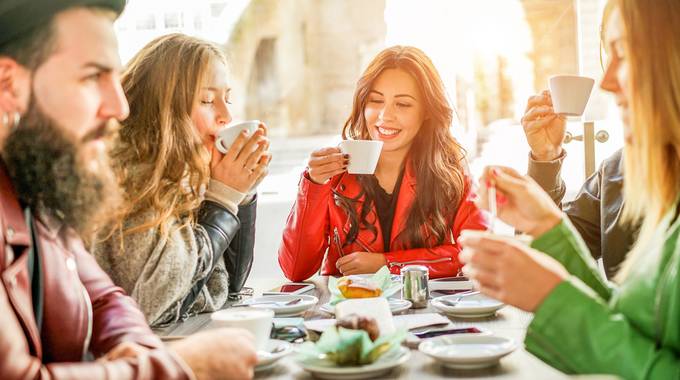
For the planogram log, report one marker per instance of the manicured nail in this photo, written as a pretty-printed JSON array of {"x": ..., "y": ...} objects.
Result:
[
  {"x": 345, "y": 156},
  {"x": 501, "y": 199}
]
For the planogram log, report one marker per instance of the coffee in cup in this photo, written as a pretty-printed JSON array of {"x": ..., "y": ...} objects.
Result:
[
  {"x": 227, "y": 135},
  {"x": 363, "y": 155},
  {"x": 257, "y": 321},
  {"x": 570, "y": 94}
]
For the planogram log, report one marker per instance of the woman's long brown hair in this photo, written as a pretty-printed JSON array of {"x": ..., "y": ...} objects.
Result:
[
  {"x": 159, "y": 157},
  {"x": 437, "y": 159}
]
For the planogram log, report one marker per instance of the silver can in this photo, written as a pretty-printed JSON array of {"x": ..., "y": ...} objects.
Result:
[{"x": 414, "y": 279}]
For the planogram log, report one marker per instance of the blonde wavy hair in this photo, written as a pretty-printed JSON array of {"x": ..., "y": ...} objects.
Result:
[
  {"x": 159, "y": 157},
  {"x": 652, "y": 159}
]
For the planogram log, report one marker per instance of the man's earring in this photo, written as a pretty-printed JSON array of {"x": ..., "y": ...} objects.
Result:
[{"x": 17, "y": 119}]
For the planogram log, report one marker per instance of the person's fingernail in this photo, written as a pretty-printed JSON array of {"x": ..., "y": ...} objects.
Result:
[
  {"x": 501, "y": 199},
  {"x": 346, "y": 156},
  {"x": 494, "y": 172}
]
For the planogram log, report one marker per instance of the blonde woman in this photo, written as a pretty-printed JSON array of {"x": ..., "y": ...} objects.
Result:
[
  {"x": 582, "y": 323},
  {"x": 186, "y": 233}
]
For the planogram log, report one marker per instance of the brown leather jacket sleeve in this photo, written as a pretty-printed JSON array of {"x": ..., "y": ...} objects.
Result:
[
  {"x": 16, "y": 361},
  {"x": 116, "y": 320}
]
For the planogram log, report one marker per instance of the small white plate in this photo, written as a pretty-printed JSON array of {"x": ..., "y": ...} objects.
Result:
[
  {"x": 275, "y": 350},
  {"x": 396, "y": 306},
  {"x": 323, "y": 369},
  {"x": 468, "y": 307},
  {"x": 468, "y": 351},
  {"x": 281, "y": 310}
]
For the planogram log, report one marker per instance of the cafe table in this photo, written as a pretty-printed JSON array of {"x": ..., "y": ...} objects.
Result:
[{"x": 509, "y": 322}]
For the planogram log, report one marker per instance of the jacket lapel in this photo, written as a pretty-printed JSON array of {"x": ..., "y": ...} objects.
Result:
[
  {"x": 349, "y": 187},
  {"x": 406, "y": 197},
  {"x": 15, "y": 242}
]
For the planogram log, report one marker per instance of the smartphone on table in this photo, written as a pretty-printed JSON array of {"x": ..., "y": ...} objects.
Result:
[{"x": 291, "y": 288}]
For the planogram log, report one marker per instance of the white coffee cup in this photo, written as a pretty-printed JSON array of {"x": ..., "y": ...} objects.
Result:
[
  {"x": 227, "y": 135},
  {"x": 363, "y": 155},
  {"x": 570, "y": 93},
  {"x": 257, "y": 321}
]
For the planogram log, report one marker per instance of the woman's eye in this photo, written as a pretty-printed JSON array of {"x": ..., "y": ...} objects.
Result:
[
  {"x": 377, "y": 101},
  {"x": 404, "y": 105},
  {"x": 206, "y": 102}
]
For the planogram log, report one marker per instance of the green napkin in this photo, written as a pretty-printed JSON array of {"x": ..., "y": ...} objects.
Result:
[
  {"x": 382, "y": 279},
  {"x": 346, "y": 347}
]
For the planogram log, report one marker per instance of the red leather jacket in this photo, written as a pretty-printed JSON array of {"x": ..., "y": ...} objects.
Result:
[
  {"x": 83, "y": 311},
  {"x": 312, "y": 224}
]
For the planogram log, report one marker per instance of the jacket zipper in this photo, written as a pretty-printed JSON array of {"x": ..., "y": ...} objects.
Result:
[
  {"x": 433, "y": 261},
  {"x": 336, "y": 240}
]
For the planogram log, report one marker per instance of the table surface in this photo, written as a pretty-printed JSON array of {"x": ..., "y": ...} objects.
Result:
[{"x": 508, "y": 322}]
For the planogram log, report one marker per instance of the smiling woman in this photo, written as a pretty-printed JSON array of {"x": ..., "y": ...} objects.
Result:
[{"x": 417, "y": 202}]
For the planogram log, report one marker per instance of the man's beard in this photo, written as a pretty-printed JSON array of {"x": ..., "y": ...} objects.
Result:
[{"x": 50, "y": 173}]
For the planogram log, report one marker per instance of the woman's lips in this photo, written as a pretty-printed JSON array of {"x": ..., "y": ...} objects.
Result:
[{"x": 387, "y": 133}]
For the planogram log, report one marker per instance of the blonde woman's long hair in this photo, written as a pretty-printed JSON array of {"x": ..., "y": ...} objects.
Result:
[
  {"x": 652, "y": 159},
  {"x": 161, "y": 161}
]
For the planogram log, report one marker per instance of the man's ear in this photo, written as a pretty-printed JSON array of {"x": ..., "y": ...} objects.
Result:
[{"x": 14, "y": 86}]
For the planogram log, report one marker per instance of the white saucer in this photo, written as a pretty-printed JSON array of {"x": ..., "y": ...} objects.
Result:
[
  {"x": 281, "y": 310},
  {"x": 323, "y": 369},
  {"x": 275, "y": 350},
  {"x": 396, "y": 306},
  {"x": 469, "y": 307},
  {"x": 467, "y": 351}
]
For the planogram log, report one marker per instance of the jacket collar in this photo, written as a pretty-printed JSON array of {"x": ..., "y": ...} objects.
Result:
[{"x": 12, "y": 222}]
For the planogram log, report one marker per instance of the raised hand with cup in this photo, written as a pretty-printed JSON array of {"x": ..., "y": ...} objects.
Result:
[
  {"x": 544, "y": 129},
  {"x": 545, "y": 117},
  {"x": 240, "y": 156}
]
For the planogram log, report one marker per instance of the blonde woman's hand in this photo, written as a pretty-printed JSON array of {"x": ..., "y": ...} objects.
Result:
[
  {"x": 544, "y": 129},
  {"x": 325, "y": 163},
  {"x": 520, "y": 201},
  {"x": 509, "y": 271},
  {"x": 224, "y": 353},
  {"x": 245, "y": 164}
]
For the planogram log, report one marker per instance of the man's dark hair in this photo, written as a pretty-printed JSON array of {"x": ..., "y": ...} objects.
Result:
[{"x": 33, "y": 48}]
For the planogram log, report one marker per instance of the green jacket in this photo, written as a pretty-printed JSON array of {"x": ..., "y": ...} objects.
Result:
[{"x": 586, "y": 325}]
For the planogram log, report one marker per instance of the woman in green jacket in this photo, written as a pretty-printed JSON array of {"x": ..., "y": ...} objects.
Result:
[{"x": 582, "y": 323}]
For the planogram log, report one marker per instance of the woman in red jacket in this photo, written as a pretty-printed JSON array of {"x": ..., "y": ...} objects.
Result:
[{"x": 412, "y": 209}]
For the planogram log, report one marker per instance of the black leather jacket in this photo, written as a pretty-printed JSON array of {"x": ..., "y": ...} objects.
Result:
[
  {"x": 596, "y": 210},
  {"x": 233, "y": 236}
]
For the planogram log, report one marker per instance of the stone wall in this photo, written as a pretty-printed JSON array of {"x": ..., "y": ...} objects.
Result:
[{"x": 294, "y": 63}]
